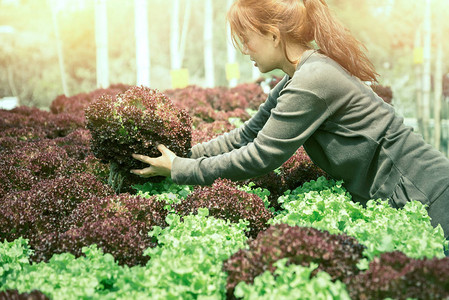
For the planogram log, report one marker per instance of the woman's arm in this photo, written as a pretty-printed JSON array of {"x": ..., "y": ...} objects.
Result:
[
  {"x": 225, "y": 143},
  {"x": 297, "y": 115},
  {"x": 240, "y": 137},
  {"x": 237, "y": 137}
]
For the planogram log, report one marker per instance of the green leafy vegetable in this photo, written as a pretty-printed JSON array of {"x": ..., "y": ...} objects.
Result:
[
  {"x": 67, "y": 277},
  {"x": 326, "y": 205},
  {"x": 188, "y": 262},
  {"x": 292, "y": 282},
  {"x": 14, "y": 256}
]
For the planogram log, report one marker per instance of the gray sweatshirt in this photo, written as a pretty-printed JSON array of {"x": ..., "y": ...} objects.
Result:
[{"x": 346, "y": 129}]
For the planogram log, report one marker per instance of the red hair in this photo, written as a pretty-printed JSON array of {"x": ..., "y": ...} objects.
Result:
[{"x": 302, "y": 21}]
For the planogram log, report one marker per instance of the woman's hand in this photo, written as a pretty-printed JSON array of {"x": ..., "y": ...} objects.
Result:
[{"x": 159, "y": 166}]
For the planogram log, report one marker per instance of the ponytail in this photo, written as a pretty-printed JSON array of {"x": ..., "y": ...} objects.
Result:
[
  {"x": 302, "y": 21},
  {"x": 336, "y": 42}
]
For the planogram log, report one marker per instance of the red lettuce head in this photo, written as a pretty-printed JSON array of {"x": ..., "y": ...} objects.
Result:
[{"x": 136, "y": 121}]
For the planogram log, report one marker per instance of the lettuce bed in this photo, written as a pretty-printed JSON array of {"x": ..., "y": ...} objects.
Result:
[{"x": 292, "y": 234}]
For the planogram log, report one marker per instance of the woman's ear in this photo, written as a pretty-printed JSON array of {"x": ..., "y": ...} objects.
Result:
[{"x": 276, "y": 35}]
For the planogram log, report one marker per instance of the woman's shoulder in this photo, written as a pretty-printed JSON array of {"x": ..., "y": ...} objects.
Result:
[
  {"x": 320, "y": 67},
  {"x": 323, "y": 76}
]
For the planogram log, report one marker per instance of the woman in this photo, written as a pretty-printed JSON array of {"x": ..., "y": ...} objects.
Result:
[{"x": 321, "y": 103}]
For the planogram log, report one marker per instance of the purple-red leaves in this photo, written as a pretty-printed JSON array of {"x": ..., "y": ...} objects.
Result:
[
  {"x": 117, "y": 224},
  {"x": 16, "y": 295},
  {"x": 384, "y": 92},
  {"x": 396, "y": 276},
  {"x": 44, "y": 124},
  {"x": 293, "y": 173},
  {"x": 225, "y": 201},
  {"x": 44, "y": 208},
  {"x": 76, "y": 104},
  {"x": 204, "y": 132},
  {"x": 135, "y": 122},
  {"x": 337, "y": 255}
]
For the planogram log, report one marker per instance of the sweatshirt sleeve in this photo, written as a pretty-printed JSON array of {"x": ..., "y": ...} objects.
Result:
[
  {"x": 236, "y": 138},
  {"x": 239, "y": 137},
  {"x": 296, "y": 116}
]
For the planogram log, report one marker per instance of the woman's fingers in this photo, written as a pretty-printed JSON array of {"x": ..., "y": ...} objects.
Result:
[
  {"x": 159, "y": 166},
  {"x": 142, "y": 158},
  {"x": 162, "y": 149},
  {"x": 147, "y": 159},
  {"x": 147, "y": 172},
  {"x": 167, "y": 153}
]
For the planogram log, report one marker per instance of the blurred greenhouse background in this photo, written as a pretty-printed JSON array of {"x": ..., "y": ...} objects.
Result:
[{"x": 54, "y": 47}]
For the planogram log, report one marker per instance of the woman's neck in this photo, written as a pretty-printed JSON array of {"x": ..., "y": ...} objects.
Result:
[{"x": 294, "y": 53}]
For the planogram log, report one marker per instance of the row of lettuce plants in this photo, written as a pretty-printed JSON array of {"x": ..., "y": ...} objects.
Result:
[
  {"x": 75, "y": 227},
  {"x": 204, "y": 255}
]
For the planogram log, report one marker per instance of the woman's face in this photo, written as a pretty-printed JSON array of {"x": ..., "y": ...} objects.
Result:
[{"x": 263, "y": 50}]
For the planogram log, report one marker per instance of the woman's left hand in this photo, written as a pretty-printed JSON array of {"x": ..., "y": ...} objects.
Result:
[{"x": 159, "y": 166}]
